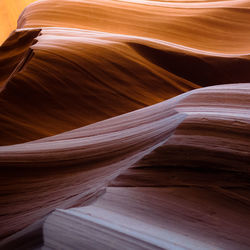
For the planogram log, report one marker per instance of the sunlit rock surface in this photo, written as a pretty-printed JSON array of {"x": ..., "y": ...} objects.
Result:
[{"x": 146, "y": 97}]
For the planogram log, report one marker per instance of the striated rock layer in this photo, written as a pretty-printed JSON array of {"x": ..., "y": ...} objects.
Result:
[
  {"x": 181, "y": 148},
  {"x": 120, "y": 94}
]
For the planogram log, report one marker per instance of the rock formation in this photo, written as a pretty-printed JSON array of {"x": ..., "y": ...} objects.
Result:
[{"x": 148, "y": 101}]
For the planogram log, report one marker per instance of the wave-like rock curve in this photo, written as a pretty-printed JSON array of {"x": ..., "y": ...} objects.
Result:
[{"x": 120, "y": 94}]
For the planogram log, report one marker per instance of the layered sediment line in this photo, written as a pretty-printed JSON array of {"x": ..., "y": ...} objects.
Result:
[
  {"x": 206, "y": 26},
  {"x": 74, "y": 73},
  {"x": 63, "y": 169},
  {"x": 150, "y": 98}
]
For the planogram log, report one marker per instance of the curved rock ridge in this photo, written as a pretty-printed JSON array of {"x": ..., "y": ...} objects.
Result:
[
  {"x": 69, "y": 78},
  {"x": 213, "y": 142},
  {"x": 149, "y": 100},
  {"x": 217, "y": 26},
  {"x": 173, "y": 217},
  {"x": 183, "y": 132},
  {"x": 78, "y": 167}
]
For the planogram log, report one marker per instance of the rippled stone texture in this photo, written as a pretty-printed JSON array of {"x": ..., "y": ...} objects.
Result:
[{"x": 150, "y": 96}]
